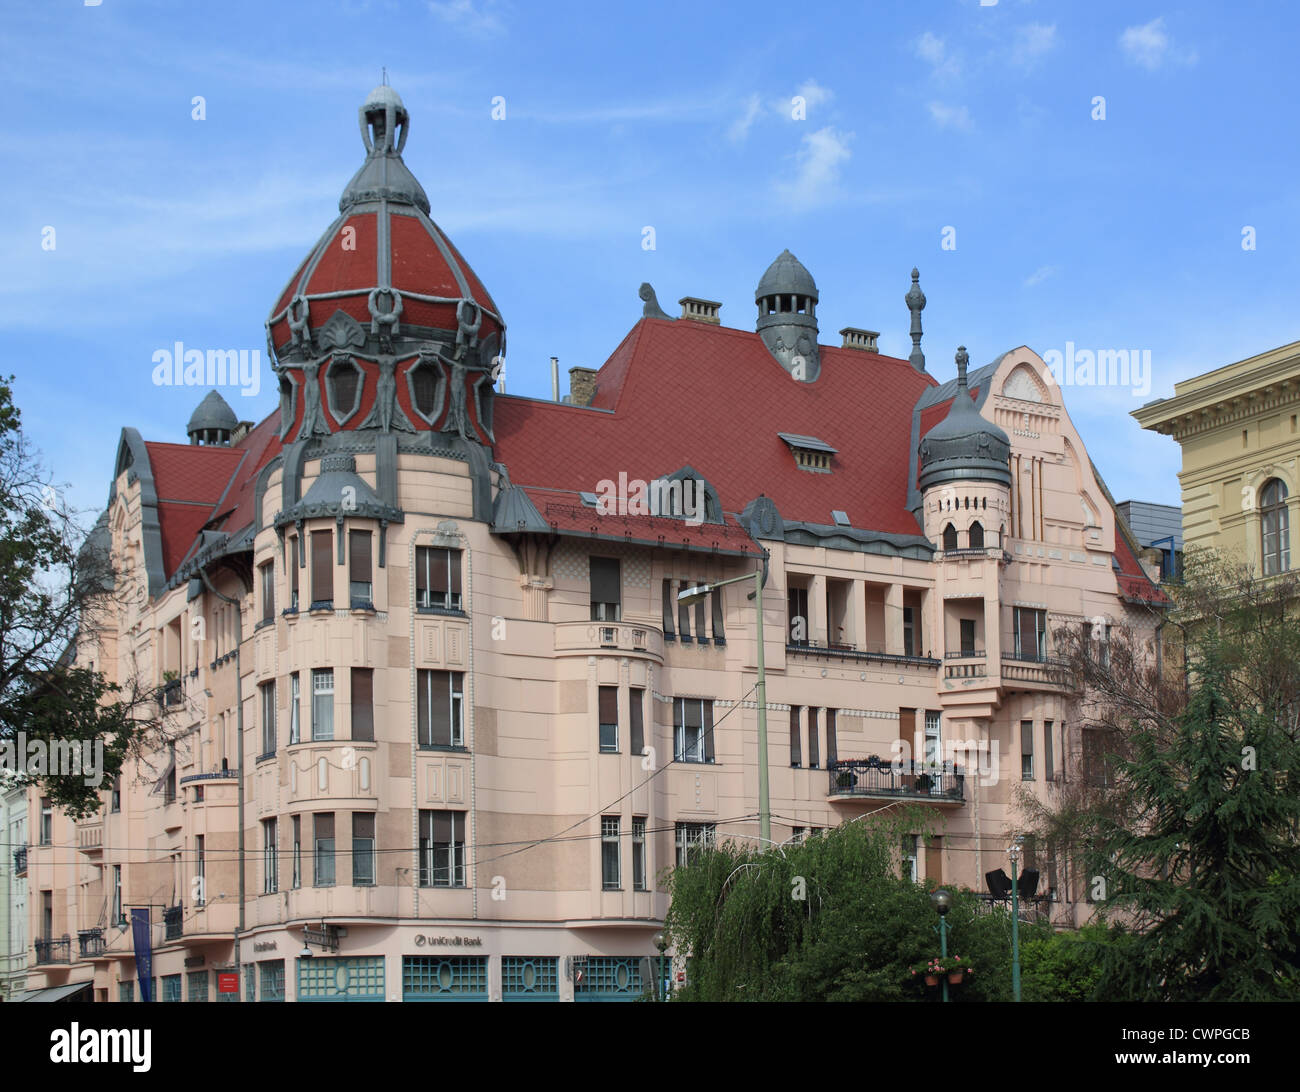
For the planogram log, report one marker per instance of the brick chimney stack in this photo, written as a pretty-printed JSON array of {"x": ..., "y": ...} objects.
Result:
[{"x": 582, "y": 386}]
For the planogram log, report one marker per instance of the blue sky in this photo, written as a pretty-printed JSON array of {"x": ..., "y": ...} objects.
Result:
[{"x": 1125, "y": 232}]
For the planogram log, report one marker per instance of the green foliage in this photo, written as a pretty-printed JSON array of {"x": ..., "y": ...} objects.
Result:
[
  {"x": 1065, "y": 966},
  {"x": 854, "y": 937}
]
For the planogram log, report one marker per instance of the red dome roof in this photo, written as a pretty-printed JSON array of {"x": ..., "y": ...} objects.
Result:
[{"x": 383, "y": 262}]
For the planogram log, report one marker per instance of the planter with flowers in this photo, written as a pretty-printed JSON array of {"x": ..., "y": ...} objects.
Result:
[{"x": 935, "y": 968}]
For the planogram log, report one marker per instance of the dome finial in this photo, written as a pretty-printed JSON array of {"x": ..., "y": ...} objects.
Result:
[
  {"x": 915, "y": 300},
  {"x": 963, "y": 358}
]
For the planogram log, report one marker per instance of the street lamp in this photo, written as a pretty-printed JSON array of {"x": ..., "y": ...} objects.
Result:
[
  {"x": 942, "y": 901},
  {"x": 661, "y": 942},
  {"x": 694, "y": 595},
  {"x": 1014, "y": 853}
]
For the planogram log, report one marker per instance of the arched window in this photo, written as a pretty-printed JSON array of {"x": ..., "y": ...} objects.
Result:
[
  {"x": 977, "y": 535},
  {"x": 1275, "y": 527},
  {"x": 950, "y": 537}
]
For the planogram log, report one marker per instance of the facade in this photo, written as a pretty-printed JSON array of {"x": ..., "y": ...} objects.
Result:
[
  {"x": 13, "y": 887},
  {"x": 1237, "y": 427},
  {"x": 438, "y": 629}
]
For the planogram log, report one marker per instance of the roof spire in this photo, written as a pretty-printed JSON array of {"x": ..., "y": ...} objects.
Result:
[
  {"x": 915, "y": 300},
  {"x": 963, "y": 359},
  {"x": 383, "y": 76}
]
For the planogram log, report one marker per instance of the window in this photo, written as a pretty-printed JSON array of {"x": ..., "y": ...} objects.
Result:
[
  {"x": 268, "y": 591},
  {"x": 832, "y": 744},
  {"x": 271, "y": 979},
  {"x": 439, "y": 703},
  {"x": 719, "y": 610},
  {"x": 638, "y": 853},
  {"x": 126, "y": 992},
  {"x": 297, "y": 852},
  {"x": 437, "y": 578},
  {"x": 977, "y": 535},
  {"x": 363, "y": 848},
  {"x": 1049, "y": 763},
  {"x": 909, "y": 857},
  {"x": 115, "y": 802},
  {"x": 949, "y": 537},
  {"x": 442, "y": 849},
  {"x": 1275, "y": 527},
  {"x": 668, "y": 610},
  {"x": 526, "y": 977},
  {"x": 322, "y": 569},
  {"x": 47, "y": 821},
  {"x": 322, "y": 703},
  {"x": 909, "y": 632},
  {"x": 692, "y": 730},
  {"x": 1029, "y": 638},
  {"x": 119, "y": 918},
  {"x": 796, "y": 737},
  {"x": 295, "y": 563},
  {"x": 609, "y": 870},
  {"x": 636, "y": 709},
  {"x": 606, "y": 589},
  {"x": 295, "y": 705},
  {"x": 797, "y": 600},
  {"x": 1027, "y": 750},
  {"x": 200, "y": 869},
  {"x": 361, "y": 594},
  {"x": 171, "y": 987},
  {"x": 692, "y": 837},
  {"x": 363, "y": 704},
  {"x": 796, "y": 835},
  {"x": 968, "y": 636},
  {"x": 268, "y": 718},
  {"x": 608, "y": 702},
  {"x": 683, "y": 613},
  {"x": 814, "y": 759},
  {"x": 323, "y": 853},
  {"x": 933, "y": 737},
  {"x": 270, "y": 859},
  {"x": 435, "y": 978},
  {"x": 197, "y": 982},
  {"x": 1096, "y": 761}
]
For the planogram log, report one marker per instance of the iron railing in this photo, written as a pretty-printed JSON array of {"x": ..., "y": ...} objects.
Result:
[
  {"x": 173, "y": 919},
  {"x": 54, "y": 951},
  {"x": 20, "y": 861},
  {"x": 838, "y": 652},
  {"x": 91, "y": 943},
  {"x": 912, "y": 780}
]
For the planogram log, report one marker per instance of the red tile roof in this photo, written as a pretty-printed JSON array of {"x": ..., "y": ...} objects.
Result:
[{"x": 683, "y": 392}]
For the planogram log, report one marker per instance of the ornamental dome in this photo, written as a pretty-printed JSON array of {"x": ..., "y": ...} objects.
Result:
[
  {"x": 787, "y": 317},
  {"x": 786, "y": 275},
  {"x": 212, "y": 421},
  {"x": 383, "y": 278},
  {"x": 964, "y": 446}
]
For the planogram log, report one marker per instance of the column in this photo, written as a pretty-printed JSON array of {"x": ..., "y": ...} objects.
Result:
[
  {"x": 858, "y": 615},
  {"x": 817, "y": 612},
  {"x": 894, "y": 619}
]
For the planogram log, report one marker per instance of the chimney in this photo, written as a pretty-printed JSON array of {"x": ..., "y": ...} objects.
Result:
[
  {"x": 582, "y": 386},
  {"x": 863, "y": 340},
  {"x": 241, "y": 430},
  {"x": 700, "y": 310},
  {"x": 555, "y": 379}
]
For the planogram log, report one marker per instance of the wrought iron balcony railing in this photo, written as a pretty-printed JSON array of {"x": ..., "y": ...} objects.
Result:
[
  {"x": 53, "y": 951},
  {"x": 91, "y": 943},
  {"x": 913, "y": 780},
  {"x": 20, "y": 861}
]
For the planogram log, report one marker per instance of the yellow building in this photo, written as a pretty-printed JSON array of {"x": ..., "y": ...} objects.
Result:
[{"x": 1240, "y": 436}]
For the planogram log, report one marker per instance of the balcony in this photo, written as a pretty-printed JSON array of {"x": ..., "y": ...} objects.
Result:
[
  {"x": 53, "y": 951},
  {"x": 846, "y": 652},
  {"x": 90, "y": 837},
  {"x": 173, "y": 922},
  {"x": 1035, "y": 670},
  {"x": 876, "y": 778},
  {"x": 171, "y": 694},
  {"x": 91, "y": 943},
  {"x": 637, "y": 638},
  {"x": 20, "y": 861},
  {"x": 969, "y": 663}
]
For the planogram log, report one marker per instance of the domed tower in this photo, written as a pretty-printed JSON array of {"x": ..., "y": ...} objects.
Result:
[
  {"x": 385, "y": 326},
  {"x": 787, "y": 316},
  {"x": 965, "y": 474},
  {"x": 212, "y": 422}
]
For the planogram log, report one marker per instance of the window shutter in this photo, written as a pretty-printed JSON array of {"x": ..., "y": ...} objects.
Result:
[
  {"x": 608, "y": 702},
  {"x": 813, "y": 758},
  {"x": 363, "y": 709},
  {"x": 440, "y": 707},
  {"x": 668, "y": 608},
  {"x": 699, "y": 620},
  {"x": 796, "y": 754},
  {"x": 832, "y": 745},
  {"x": 708, "y": 730},
  {"x": 323, "y": 825},
  {"x": 637, "y": 719},
  {"x": 322, "y": 571},
  {"x": 605, "y": 583},
  {"x": 363, "y": 824},
  {"x": 453, "y": 565},
  {"x": 359, "y": 556},
  {"x": 683, "y": 614},
  {"x": 716, "y": 597}
]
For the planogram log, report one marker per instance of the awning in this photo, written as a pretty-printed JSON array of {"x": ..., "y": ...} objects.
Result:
[{"x": 75, "y": 991}]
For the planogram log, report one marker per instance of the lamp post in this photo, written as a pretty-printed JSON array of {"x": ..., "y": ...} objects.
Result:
[
  {"x": 661, "y": 942},
  {"x": 943, "y": 903},
  {"x": 1014, "y": 853},
  {"x": 694, "y": 595}
]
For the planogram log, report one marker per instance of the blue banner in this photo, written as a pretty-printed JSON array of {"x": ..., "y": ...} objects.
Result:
[{"x": 143, "y": 937}]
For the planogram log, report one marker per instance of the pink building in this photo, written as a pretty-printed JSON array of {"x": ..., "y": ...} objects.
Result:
[{"x": 437, "y": 627}]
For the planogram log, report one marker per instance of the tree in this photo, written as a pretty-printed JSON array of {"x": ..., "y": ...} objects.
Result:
[
  {"x": 1185, "y": 824},
  {"x": 55, "y": 589},
  {"x": 830, "y": 919}
]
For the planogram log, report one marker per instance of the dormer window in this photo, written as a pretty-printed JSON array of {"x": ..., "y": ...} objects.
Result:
[{"x": 809, "y": 452}]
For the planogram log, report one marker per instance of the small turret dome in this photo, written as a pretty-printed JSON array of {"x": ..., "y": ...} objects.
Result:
[
  {"x": 787, "y": 317},
  {"x": 786, "y": 275},
  {"x": 964, "y": 446},
  {"x": 212, "y": 421}
]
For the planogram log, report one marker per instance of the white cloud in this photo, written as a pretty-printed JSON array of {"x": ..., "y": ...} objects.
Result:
[
  {"x": 1041, "y": 274},
  {"x": 951, "y": 117},
  {"x": 740, "y": 127},
  {"x": 819, "y": 162},
  {"x": 934, "y": 51},
  {"x": 813, "y": 95},
  {"x": 481, "y": 17},
  {"x": 1033, "y": 42},
  {"x": 1151, "y": 47}
]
